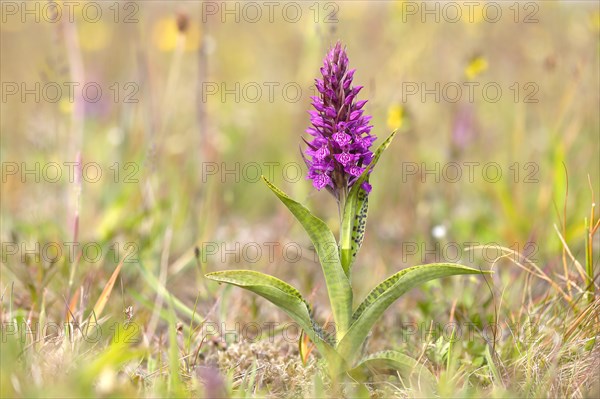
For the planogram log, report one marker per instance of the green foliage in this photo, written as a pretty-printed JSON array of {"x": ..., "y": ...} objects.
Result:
[
  {"x": 386, "y": 293},
  {"x": 336, "y": 260},
  {"x": 284, "y": 296},
  {"x": 338, "y": 284}
]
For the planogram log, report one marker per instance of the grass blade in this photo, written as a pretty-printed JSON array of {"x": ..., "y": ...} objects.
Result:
[
  {"x": 161, "y": 290},
  {"x": 176, "y": 386},
  {"x": 72, "y": 308},
  {"x": 99, "y": 306}
]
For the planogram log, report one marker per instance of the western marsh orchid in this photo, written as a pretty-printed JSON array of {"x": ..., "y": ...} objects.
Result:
[{"x": 340, "y": 160}]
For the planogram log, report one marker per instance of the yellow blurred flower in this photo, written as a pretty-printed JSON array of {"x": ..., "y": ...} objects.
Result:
[
  {"x": 476, "y": 67},
  {"x": 65, "y": 106},
  {"x": 93, "y": 36},
  {"x": 406, "y": 9},
  {"x": 167, "y": 30},
  {"x": 110, "y": 221},
  {"x": 595, "y": 21},
  {"x": 398, "y": 4},
  {"x": 395, "y": 117},
  {"x": 472, "y": 12}
]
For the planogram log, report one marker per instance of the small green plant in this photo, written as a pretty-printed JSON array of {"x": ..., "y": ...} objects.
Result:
[{"x": 341, "y": 162}]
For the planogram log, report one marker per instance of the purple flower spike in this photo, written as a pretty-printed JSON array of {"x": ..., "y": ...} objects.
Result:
[{"x": 341, "y": 140}]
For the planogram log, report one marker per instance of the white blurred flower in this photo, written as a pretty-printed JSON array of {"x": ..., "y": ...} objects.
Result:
[{"x": 439, "y": 231}]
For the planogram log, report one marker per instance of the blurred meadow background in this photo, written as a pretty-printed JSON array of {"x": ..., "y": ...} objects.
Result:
[{"x": 159, "y": 183}]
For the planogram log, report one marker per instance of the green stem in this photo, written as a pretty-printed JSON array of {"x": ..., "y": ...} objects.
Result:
[{"x": 341, "y": 203}]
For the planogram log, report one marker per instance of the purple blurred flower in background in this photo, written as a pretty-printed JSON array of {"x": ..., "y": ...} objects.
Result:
[
  {"x": 463, "y": 131},
  {"x": 340, "y": 148}
]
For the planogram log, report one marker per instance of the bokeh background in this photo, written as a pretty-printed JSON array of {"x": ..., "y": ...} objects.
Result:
[{"x": 165, "y": 133}]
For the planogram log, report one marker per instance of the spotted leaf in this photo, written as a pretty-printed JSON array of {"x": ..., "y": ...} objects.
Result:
[
  {"x": 395, "y": 363},
  {"x": 355, "y": 213},
  {"x": 386, "y": 293}
]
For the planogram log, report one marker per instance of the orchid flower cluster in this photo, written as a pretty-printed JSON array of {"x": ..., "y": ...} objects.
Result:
[
  {"x": 339, "y": 159},
  {"x": 340, "y": 148}
]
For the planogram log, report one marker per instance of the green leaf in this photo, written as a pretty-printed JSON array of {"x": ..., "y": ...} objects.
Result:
[
  {"x": 393, "y": 362},
  {"x": 382, "y": 296},
  {"x": 276, "y": 291},
  {"x": 284, "y": 296},
  {"x": 355, "y": 213},
  {"x": 338, "y": 284},
  {"x": 176, "y": 385}
]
